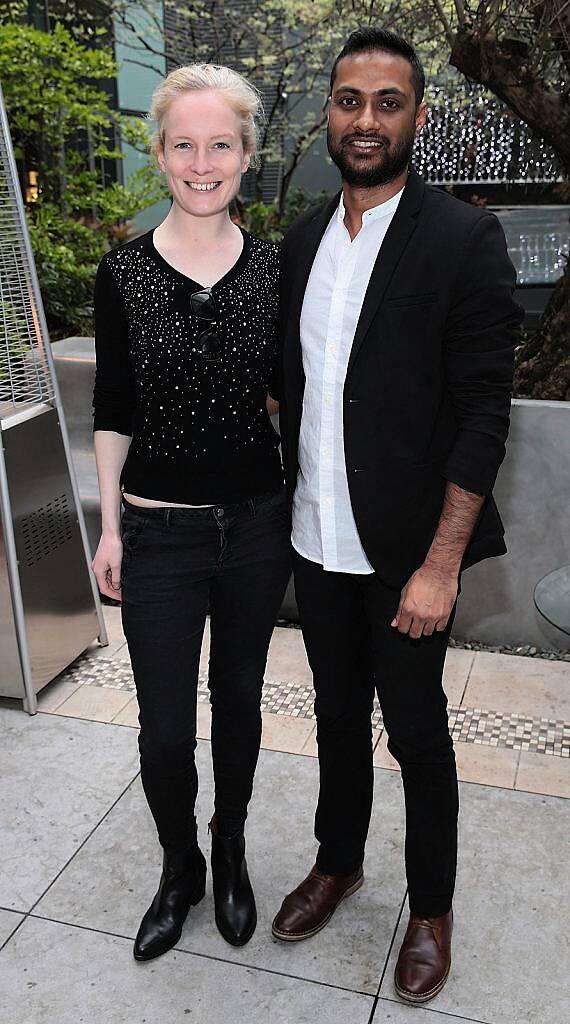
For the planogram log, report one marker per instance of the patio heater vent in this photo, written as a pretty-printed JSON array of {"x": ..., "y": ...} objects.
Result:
[
  {"x": 46, "y": 529},
  {"x": 49, "y": 603}
]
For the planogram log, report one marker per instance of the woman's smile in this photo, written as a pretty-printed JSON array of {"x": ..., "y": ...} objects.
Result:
[{"x": 203, "y": 186}]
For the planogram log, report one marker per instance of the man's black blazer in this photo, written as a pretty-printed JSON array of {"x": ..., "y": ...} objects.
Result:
[{"x": 428, "y": 385}]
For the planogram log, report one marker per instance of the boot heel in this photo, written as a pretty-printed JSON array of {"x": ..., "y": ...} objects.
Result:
[
  {"x": 200, "y": 890},
  {"x": 234, "y": 902},
  {"x": 182, "y": 885}
]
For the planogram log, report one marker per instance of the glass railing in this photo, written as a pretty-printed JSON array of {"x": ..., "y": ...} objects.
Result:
[{"x": 537, "y": 239}]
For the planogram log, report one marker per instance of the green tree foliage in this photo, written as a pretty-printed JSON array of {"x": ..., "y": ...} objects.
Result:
[
  {"x": 266, "y": 220},
  {"x": 64, "y": 129}
]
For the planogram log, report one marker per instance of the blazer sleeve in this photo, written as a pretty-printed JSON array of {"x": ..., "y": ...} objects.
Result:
[
  {"x": 479, "y": 342},
  {"x": 114, "y": 393}
]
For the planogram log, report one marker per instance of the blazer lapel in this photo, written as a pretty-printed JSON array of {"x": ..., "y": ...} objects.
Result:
[
  {"x": 304, "y": 258},
  {"x": 401, "y": 229}
]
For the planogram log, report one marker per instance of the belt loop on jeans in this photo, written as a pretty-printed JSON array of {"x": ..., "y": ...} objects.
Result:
[
  {"x": 251, "y": 504},
  {"x": 167, "y": 516}
]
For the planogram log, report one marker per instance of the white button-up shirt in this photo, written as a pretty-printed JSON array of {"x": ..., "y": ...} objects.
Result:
[{"x": 324, "y": 529}]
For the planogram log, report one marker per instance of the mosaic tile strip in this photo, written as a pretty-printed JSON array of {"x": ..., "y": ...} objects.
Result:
[
  {"x": 510, "y": 731},
  {"x": 467, "y": 725},
  {"x": 96, "y": 671}
]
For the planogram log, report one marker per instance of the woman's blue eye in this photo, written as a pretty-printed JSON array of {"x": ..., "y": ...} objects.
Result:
[{"x": 186, "y": 145}]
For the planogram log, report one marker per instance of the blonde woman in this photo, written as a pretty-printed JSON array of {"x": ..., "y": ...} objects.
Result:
[{"x": 185, "y": 339}]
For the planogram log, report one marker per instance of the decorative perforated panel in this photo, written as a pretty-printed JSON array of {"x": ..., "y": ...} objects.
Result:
[{"x": 46, "y": 529}]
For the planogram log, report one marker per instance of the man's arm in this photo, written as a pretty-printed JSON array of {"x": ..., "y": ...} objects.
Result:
[
  {"x": 456, "y": 524},
  {"x": 478, "y": 350},
  {"x": 429, "y": 595},
  {"x": 481, "y": 332}
]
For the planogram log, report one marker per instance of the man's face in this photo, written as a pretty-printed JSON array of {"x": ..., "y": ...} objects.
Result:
[{"x": 373, "y": 119}]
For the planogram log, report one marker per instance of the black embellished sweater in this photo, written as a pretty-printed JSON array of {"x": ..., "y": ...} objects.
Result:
[{"x": 200, "y": 430}]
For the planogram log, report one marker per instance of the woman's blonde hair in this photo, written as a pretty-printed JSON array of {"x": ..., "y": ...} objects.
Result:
[{"x": 243, "y": 97}]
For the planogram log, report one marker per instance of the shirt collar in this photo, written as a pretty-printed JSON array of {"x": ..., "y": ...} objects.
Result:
[{"x": 376, "y": 213}]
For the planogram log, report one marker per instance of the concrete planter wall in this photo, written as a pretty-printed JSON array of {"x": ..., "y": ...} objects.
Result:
[
  {"x": 532, "y": 492},
  {"x": 533, "y": 495}
]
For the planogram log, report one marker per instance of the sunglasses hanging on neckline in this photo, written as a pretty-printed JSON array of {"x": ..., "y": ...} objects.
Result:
[{"x": 203, "y": 305}]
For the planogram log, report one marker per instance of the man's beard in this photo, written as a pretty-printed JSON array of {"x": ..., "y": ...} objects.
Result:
[{"x": 390, "y": 162}]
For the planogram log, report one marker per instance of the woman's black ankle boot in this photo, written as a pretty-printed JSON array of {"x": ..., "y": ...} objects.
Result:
[
  {"x": 182, "y": 885},
  {"x": 236, "y": 914}
]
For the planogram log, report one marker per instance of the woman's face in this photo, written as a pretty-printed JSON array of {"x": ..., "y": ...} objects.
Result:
[{"x": 202, "y": 156}]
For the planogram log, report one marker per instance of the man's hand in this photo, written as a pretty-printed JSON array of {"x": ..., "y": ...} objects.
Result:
[
  {"x": 272, "y": 406},
  {"x": 426, "y": 602},
  {"x": 427, "y": 599}
]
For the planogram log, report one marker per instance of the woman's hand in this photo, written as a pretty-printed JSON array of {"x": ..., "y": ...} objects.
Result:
[
  {"x": 107, "y": 565},
  {"x": 110, "y": 452}
]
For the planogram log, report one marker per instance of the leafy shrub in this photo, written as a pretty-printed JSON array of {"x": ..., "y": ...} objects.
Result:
[
  {"x": 67, "y": 254},
  {"x": 64, "y": 129},
  {"x": 263, "y": 220}
]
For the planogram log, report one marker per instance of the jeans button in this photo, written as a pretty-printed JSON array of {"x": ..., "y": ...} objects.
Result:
[{"x": 219, "y": 512}]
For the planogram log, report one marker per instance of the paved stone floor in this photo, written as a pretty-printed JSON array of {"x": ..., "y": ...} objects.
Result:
[{"x": 79, "y": 859}]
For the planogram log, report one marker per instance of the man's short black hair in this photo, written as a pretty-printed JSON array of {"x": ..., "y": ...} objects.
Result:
[{"x": 366, "y": 40}]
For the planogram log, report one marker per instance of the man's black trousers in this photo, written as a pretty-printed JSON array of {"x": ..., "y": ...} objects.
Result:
[{"x": 354, "y": 652}]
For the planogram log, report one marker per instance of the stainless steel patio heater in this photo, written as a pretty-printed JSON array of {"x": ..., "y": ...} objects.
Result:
[{"x": 49, "y": 603}]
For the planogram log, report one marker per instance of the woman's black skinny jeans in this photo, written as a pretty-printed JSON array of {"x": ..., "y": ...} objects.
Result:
[{"x": 235, "y": 560}]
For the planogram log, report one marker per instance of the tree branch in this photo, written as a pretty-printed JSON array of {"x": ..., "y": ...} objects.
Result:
[
  {"x": 449, "y": 34},
  {"x": 554, "y": 15},
  {"x": 460, "y": 11},
  {"x": 544, "y": 108},
  {"x": 301, "y": 147}
]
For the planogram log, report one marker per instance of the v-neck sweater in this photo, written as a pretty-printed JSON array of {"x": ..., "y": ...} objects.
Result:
[{"x": 200, "y": 431}]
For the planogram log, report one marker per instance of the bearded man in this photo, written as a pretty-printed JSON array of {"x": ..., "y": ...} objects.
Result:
[{"x": 398, "y": 328}]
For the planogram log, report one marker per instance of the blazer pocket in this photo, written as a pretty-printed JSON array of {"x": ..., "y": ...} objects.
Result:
[
  {"x": 412, "y": 300},
  {"x": 435, "y": 462}
]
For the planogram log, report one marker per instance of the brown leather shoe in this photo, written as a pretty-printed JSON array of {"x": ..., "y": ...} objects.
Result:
[
  {"x": 425, "y": 958},
  {"x": 312, "y": 904}
]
